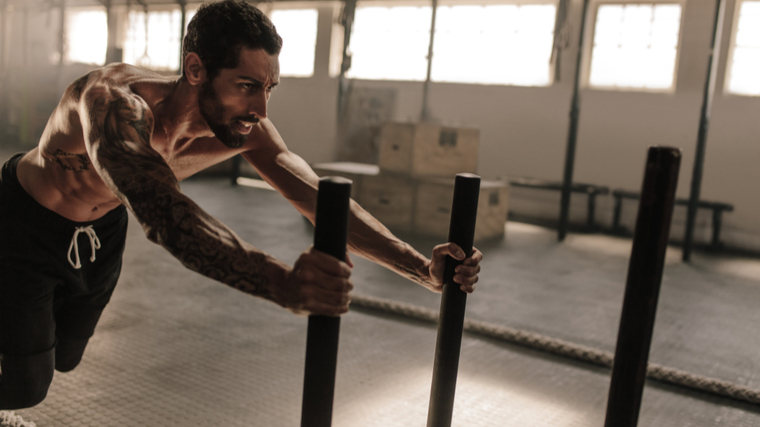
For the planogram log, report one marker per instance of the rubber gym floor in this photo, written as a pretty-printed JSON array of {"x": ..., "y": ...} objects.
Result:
[{"x": 176, "y": 349}]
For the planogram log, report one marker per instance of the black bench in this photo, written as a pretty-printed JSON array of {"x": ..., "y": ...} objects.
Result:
[
  {"x": 717, "y": 216},
  {"x": 589, "y": 189}
]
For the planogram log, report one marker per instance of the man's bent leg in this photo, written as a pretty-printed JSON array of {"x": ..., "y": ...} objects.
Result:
[
  {"x": 25, "y": 379},
  {"x": 75, "y": 325},
  {"x": 68, "y": 353},
  {"x": 77, "y": 313}
]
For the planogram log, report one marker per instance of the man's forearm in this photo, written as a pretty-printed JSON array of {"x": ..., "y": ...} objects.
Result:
[
  {"x": 205, "y": 245},
  {"x": 370, "y": 239}
]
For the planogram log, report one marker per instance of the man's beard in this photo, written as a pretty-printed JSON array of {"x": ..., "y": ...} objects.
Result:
[{"x": 213, "y": 111}]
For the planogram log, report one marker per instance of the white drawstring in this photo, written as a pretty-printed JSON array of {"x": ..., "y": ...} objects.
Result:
[{"x": 94, "y": 244}]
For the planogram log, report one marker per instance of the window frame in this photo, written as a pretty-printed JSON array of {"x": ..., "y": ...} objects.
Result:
[
  {"x": 588, "y": 46},
  {"x": 728, "y": 70}
]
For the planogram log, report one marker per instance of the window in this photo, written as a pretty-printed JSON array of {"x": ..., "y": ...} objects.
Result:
[
  {"x": 390, "y": 43},
  {"x": 152, "y": 40},
  {"x": 189, "y": 14},
  {"x": 744, "y": 66},
  {"x": 635, "y": 46},
  {"x": 298, "y": 29},
  {"x": 494, "y": 44},
  {"x": 86, "y": 35}
]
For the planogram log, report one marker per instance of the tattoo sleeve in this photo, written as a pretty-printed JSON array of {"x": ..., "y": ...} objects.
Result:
[{"x": 118, "y": 135}]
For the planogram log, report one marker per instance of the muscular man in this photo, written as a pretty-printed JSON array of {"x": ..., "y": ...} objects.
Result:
[{"x": 122, "y": 138}]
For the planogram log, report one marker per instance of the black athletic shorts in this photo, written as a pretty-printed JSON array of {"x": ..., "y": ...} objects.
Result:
[{"x": 56, "y": 275}]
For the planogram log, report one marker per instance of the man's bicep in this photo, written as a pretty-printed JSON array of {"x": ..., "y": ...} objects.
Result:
[{"x": 118, "y": 142}]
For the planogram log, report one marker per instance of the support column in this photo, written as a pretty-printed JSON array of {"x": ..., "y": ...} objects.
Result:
[
  {"x": 572, "y": 134},
  {"x": 3, "y": 73},
  {"x": 113, "y": 53},
  {"x": 24, "y": 130},
  {"x": 3, "y": 5},
  {"x": 425, "y": 115},
  {"x": 704, "y": 125},
  {"x": 349, "y": 9}
]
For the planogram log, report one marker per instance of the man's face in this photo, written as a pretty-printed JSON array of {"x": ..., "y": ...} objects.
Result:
[{"x": 236, "y": 99}]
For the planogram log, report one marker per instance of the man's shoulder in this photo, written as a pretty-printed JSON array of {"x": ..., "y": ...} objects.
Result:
[{"x": 116, "y": 80}]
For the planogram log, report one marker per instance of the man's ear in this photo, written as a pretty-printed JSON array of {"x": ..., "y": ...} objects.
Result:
[{"x": 195, "y": 72}]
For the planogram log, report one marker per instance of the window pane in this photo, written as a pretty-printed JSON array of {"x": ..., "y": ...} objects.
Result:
[
  {"x": 635, "y": 46},
  {"x": 134, "y": 43},
  {"x": 748, "y": 31},
  {"x": 495, "y": 44},
  {"x": 86, "y": 36},
  {"x": 390, "y": 43},
  {"x": 159, "y": 48},
  {"x": 745, "y": 67},
  {"x": 298, "y": 29}
]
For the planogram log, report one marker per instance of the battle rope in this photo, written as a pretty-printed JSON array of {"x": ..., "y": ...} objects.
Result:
[{"x": 564, "y": 349}]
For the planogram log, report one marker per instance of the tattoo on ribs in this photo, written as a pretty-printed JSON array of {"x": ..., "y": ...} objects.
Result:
[{"x": 70, "y": 161}]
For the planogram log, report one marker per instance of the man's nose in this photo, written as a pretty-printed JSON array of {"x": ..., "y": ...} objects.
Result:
[{"x": 258, "y": 105}]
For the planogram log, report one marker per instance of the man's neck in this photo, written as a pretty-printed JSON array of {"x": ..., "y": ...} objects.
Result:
[{"x": 178, "y": 116}]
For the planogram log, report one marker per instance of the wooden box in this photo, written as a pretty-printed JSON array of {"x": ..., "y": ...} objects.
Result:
[
  {"x": 427, "y": 149},
  {"x": 433, "y": 208},
  {"x": 353, "y": 171},
  {"x": 390, "y": 199}
]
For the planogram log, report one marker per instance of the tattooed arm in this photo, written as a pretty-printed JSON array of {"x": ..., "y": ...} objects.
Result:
[
  {"x": 367, "y": 237},
  {"x": 117, "y": 133}
]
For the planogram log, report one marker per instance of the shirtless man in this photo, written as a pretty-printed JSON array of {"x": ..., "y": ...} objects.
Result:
[{"x": 122, "y": 138}]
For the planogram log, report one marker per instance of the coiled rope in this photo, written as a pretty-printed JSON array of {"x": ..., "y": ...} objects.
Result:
[{"x": 562, "y": 348}]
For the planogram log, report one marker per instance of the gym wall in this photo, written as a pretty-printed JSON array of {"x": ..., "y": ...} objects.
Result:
[{"x": 523, "y": 130}]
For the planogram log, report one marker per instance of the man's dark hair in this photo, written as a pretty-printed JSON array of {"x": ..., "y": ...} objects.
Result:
[{"x": 219, "y": 30}]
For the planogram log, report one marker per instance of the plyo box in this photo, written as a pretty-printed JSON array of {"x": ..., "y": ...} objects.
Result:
[
  {"x": 390, "y": 199},
  {"x": 433, "y": 208},
  {"x": 427, "y": 149},
  {"x": 356, "y": 172}
]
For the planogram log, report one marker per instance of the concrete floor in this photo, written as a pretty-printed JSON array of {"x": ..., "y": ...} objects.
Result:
[{"x": 176, "y": 349}]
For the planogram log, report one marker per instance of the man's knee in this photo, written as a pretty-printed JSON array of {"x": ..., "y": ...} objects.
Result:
[
  {"x": 25, "y": 380},
  {"x": 68, "y": 353}
]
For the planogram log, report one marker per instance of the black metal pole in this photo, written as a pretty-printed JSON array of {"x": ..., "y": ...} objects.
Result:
[
  {"x": 349, "y": 10},
  {"x": 704, "y": 125},
  {"x": 425, "y": 114},
  {"x": 330, "y": 237},
  {"x": 464, "y": 210},
  {"x": 235, "y": 169},
  {"x": 572, "y": 135},
  {"x": 642, "y": 289}
]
